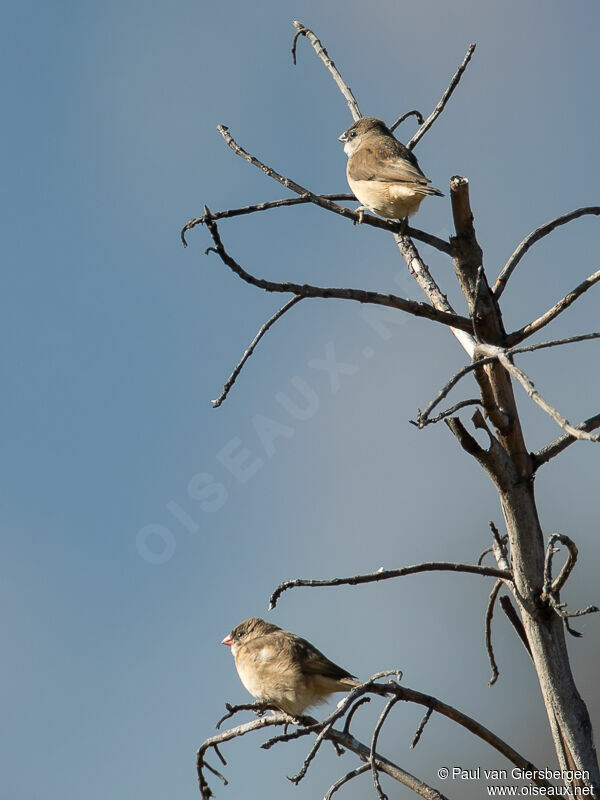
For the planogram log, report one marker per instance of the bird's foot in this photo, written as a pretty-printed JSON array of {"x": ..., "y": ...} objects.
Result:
[{"x": 361, "y": 213}]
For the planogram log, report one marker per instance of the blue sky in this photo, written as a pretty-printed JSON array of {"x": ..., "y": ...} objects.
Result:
[{"x": 116, "y": 339}]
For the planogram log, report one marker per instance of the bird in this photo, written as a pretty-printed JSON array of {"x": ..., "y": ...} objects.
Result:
[
  {"x": 382, "y": 172},
  {"x": 282, "y": 669}
]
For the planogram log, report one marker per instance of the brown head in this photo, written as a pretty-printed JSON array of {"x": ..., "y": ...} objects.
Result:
[
  {"x": 362, "y": 130},
  {"x": 247, "y": 630}
]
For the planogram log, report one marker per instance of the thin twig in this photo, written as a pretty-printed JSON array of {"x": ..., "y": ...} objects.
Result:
[
  {"x": 553, "y": 449},
  {"x": 259, "y": 707},
  {"x": 422, "y": 422},
  {"x": 564, "y": 303},
  {"x": 534, "y": 237},
  {"x": 548, "y": 588},
  {"x": 515, "y": 621},
  {"x": 444, "y": 99},
  {"x": 306, "y": 290},
  {"x": 475, "y": 314},
  {"x": 445, "y": 390},
  {"x": 331, "y": 67},
  {"x": 325, "y": 727},
  {"x": 530, "y": 348},
  {"x": 408, "y": 114},
  {"x": 419, "y": 732},
  {"x": 282, "y": 179},
  {"x": 488, "y": 631},
  {"x": 537, "y": 398},
  {"x": 499, "y": 547},
  {"x": 353, "y": 711},
  {"x": 551, "y": 589},
  {"x": 354, "y": 773},
  {"x": 225, "y": 736},
  {"x": 558, "y": 608},
  {"x": 342, "y": 707},
  {"x": 382, "y": 718},
  {"x": 252, "y": 209},
  {"x": 382, "y": 575},
  {"x": 261, "y": 332}
]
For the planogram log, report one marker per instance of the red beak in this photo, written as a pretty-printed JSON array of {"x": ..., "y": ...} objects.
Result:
[{"x": 227, "y": 640}]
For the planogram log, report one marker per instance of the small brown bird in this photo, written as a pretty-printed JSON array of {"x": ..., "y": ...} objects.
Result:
[
  {"x": 383, "y": 174},
  {"x": 283, "y": 669}
]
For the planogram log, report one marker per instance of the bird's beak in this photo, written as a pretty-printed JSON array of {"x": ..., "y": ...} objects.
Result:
[
  {"x": 342, "y": 138},
  {"x": 227, "y": 640}
]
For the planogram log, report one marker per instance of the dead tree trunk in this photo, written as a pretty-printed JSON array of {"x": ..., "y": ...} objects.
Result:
[{"x": 511, "y": 468}]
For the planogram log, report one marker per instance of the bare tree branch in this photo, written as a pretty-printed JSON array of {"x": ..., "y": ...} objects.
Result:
[
  {"x": 554, "y": 586},
  {"x": 422, "y": 422},
  {"x": 468, "y": 443},
  {"x": 500, "y": 548},
  {"x": 408, "y": 114},
  {"x": 326, "y": 731},
  {"x": 564, "y": 303},
  {"x": 488, "y": 631},
  {"x": 331, "y": 67},
  {"x": 443, "y": 100},
  {"x": 354, "y": 773},
  {"x": 261, "y": 332},
  {"x": 266, "y": 206},
  {"x": 382, "y": 718},
  {"x": 376, "y": 222},
  {"x": 551, "y": 589},
  {"x": 353, "y": 711},
  {"x": 306, "y": 290},
  {"x": 259, "y": 707},
  {"x": 515, "y": 621},
  {"x": 420, "y": 272},
  {"x": 225, "y": 736},
  {"x": 558, "y": 445},
  {"x": 534, "y": 237},
  {"x": 495, "y": 353},
  {"x": 531, "y": 348},
  {"x": 537, "y": 398},
  {"x": 419, "y": 732},
  {"x": 382, "y": 575}
]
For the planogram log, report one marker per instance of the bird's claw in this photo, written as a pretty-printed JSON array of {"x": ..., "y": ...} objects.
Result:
[{"x": 361, "y": 213}]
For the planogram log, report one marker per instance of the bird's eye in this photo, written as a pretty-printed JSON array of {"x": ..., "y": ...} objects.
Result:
[{"x": 353, "y": 134}]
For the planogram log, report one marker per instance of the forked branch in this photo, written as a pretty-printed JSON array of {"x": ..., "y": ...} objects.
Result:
[
  {"x": 325, "y": 731},
  {"x": 306, "y": 290},
  {"x": 367, "y": 219}
]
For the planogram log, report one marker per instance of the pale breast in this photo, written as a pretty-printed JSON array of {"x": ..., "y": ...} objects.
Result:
[{"x": 389, "y": 200}]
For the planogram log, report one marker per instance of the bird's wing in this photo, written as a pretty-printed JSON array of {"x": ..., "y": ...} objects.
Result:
[
  {"x": 368, "y": 165},
  {"x": 312, "y": 661}
]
